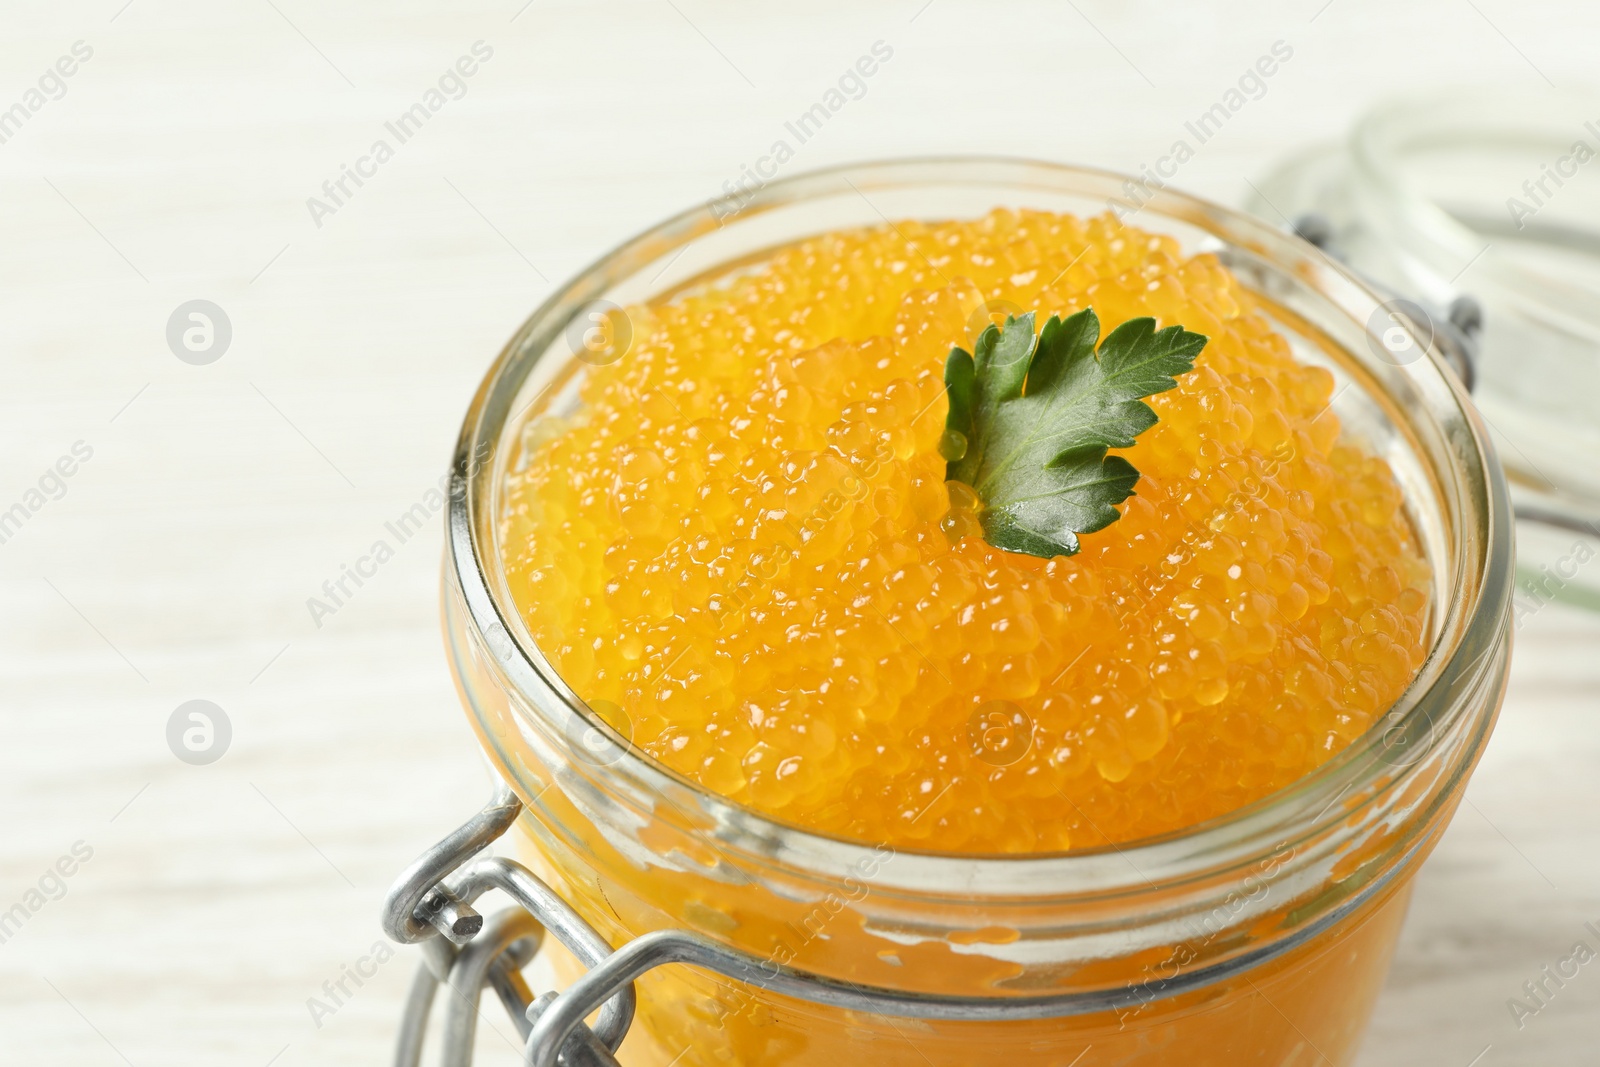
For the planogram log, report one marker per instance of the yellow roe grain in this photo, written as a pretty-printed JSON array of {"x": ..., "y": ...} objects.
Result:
[{"x": 745, "y": 542}]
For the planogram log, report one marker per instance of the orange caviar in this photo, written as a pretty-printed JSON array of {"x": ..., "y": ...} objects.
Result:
[{"x": 742, "y": 551}]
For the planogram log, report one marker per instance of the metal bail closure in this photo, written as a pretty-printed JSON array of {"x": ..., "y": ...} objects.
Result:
[
  {"x": 1456, "y": 330},
  {"x": 434, "y": 896}
]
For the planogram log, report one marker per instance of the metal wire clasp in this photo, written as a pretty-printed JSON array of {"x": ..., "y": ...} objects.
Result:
[
  {"x": 1456, "y": 330},
  {"x": 434, "y": 897},
  {"x": 431, "y": 904}
]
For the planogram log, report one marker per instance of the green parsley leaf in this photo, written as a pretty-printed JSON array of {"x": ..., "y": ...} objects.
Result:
[{"x": 1031, "y": 419}]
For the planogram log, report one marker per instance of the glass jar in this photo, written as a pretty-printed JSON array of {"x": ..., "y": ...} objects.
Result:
[{"x": 1261, "y": 937}]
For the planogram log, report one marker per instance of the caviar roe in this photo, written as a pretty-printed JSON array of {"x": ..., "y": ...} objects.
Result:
[{"x": 742, "y": 551}]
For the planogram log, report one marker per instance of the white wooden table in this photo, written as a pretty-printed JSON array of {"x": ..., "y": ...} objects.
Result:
[{"x": 176, "y": 563}]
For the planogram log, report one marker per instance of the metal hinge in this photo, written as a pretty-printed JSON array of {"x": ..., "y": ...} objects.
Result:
[
  {"x": 431, "y": 904},
  {"x": 1456, "y": 330}
]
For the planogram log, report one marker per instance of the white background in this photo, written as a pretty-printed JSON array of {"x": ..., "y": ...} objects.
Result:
[{"x": 178, "y": 564}]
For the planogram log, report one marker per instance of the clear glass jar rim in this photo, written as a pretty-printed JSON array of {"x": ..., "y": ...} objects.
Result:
[{"x": 1474, "y": 630}]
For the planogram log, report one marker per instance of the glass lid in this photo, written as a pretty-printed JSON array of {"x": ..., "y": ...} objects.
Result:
[{"x": 1479, "y": 214}]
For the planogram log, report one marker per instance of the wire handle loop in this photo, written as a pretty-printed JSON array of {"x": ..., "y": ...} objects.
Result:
[
  {"x": 431, "y": 904},
  {"x": 495, "y": 953}
]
